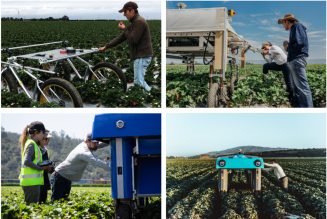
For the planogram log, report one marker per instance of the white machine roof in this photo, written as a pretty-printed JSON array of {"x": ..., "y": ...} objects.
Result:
[{"x": 197, "y": 20}]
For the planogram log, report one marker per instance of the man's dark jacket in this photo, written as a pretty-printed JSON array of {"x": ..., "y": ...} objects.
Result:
[
  {"x": 138, "y": 38},
  {"x": 298, "y": 42}
]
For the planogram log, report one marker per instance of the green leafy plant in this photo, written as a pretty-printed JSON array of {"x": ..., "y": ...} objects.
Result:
[
  {"x": 252, "y": 90},
  {"x": 191, "y": 191}
]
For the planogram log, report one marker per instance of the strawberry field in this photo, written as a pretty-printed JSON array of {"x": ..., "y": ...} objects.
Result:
[
  {"x": 192, "y": 191},
  {"x": 252, "y": 90},
  {"x": 86, "y": 35},
  {"x": 84, "y": 202}
]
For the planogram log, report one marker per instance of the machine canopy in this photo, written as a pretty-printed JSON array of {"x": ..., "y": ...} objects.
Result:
[{"x": 198, "y": 20}]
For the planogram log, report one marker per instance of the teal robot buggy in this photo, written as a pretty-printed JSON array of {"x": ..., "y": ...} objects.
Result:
[{"x": 228, "y": 163}]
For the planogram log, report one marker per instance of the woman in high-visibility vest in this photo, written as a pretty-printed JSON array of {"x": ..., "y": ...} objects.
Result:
[{"x": 31, "y": 175}]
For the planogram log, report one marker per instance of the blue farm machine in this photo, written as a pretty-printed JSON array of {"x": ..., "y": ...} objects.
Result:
[
  {"x": 135, "y": 141},
  {"x": 228, "y": 164}
]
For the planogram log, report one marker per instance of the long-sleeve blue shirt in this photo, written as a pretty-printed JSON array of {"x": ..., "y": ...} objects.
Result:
[{"x": 298, "y": 42}]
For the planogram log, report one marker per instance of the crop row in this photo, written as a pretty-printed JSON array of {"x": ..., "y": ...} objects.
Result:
[
  {"x": 252, "y": 89},
  {"x": 313, "y": 200},
  {"x": 312, "y": 175},
  {"x": 196, "y": 196},
  {"x": 180, "y": 190},
  {"x": 192, "y": 206}
]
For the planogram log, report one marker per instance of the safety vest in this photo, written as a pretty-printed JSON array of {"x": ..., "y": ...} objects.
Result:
[{"x": 30, "y": 176}]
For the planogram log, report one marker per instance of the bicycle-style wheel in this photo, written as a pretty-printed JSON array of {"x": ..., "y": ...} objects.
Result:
[
  {"x": 104, "y": 71},
  {"x": 8, "y": 81},
  {"x": 61, "y": 92}
]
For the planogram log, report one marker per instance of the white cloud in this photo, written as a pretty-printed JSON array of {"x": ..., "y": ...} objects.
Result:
[
  {"x": 277, "y": 13},
  {"x": 261, "y": 15},
  {"x": 254, "y": 43},
  {"x": 316, "y": 34},
  {"x": 272, "y": 29},
  {"x": 277, "y": 37},
  {"x": 82, "y": 9},
  {"x": 306, "y": 24},
  {"x": 240, "y": 24},
  {"x": 264, "y": 21}
]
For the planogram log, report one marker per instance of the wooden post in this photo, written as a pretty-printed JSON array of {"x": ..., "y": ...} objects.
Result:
[
  {"x": 219, "y": 51},
  {"x": 256, "y": 179},
  {"x": 243, "y": 58},
  {"x": 211, "y": 72},
  {"x": 223, "y": 180}
]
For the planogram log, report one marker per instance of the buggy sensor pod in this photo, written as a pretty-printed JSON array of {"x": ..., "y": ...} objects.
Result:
[{"x": 70, "y": 50}]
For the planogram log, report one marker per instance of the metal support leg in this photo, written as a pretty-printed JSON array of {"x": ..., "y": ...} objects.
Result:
[
  {"x": 73, "y": 67},
  {"x": 20, "y": 82},
  {"x": 190, "y": 65}
]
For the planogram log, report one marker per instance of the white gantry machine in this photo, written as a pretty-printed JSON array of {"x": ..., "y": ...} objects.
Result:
[{"x": 207, "y": 33}]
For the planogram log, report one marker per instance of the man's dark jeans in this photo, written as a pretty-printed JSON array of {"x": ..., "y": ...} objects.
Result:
[
  {"x": 60, "y": 187},
  {"x": 302, "y": 92},
  {"x": 285, "y": 68}
]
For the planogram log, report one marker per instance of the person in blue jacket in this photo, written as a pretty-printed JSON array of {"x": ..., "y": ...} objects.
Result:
[{"x": 298, "y": 52}]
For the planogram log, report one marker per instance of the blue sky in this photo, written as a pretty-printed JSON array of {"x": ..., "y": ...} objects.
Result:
[
  {"x": 257, "y": 21},
  {"x": 191, "y": 134}
]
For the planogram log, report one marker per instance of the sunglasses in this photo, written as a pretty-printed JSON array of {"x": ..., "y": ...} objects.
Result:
[
  {"x": 94, "y": 141},
  {"x": 46, "y": 139}
]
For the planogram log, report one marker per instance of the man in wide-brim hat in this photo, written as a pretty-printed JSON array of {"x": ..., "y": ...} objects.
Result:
[
  {"x": 298, "y": 52},
  {"x": 289, "y": 17}
]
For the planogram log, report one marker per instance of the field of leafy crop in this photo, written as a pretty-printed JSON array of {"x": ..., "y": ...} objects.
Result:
[
  {"x": 86, "y": 35},
  {"x": 252, "y": 90},
  {"x": 192, "y": 191},
  {"x": 84, "y": 202}
]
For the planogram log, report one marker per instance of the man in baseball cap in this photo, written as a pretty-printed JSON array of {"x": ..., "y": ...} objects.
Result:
[
  {"x": 138, "y": 37},
  {"x": 73, "y": 167},
  {"x": 128, "y": 6},
  {"x": 298, "y": 52}
]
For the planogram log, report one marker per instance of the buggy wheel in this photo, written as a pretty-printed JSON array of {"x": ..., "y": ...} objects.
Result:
[
  {"x": 212, "y": 96},
  {"x": 60, "y": 91},
  {"x": 105, "y": 71},
  {"x": 8, "y": 81}
]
